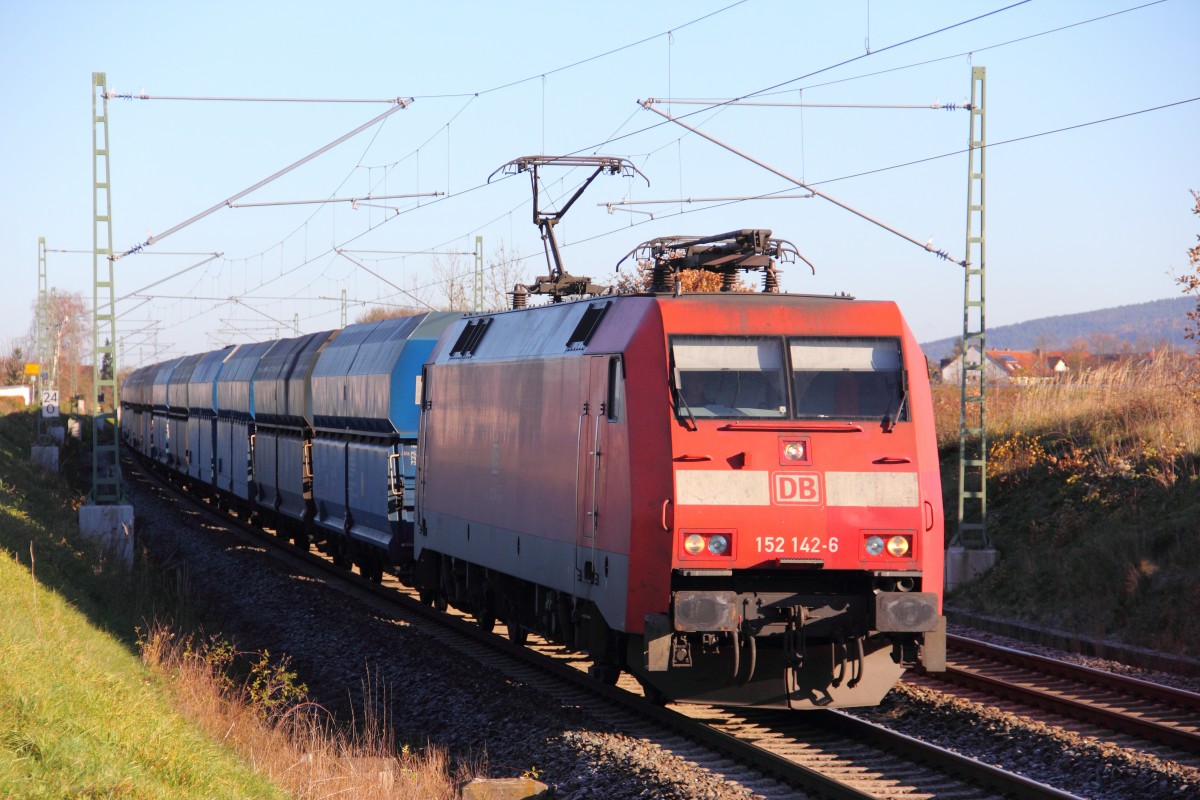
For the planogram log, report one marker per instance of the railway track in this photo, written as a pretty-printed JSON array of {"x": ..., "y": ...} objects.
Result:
[
  {"x": 773, "y": 754},
  {"x": 1087, "y": 700}
]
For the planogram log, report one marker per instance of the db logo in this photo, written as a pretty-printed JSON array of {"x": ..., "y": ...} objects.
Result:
[{"x": 797, "y": 487}]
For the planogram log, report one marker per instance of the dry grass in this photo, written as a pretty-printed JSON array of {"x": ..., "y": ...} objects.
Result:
[
  {"x": 1109, "y": 418},
  {"x": 1093, "y": 503},
  {"x": 294, "y": 742}
]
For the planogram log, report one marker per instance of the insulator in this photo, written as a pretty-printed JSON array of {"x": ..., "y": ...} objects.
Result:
[
  {"x": 728, "y": 280},
  {"x": 519, "y": 295},
  {"x": 770, "y": 280},
  {"x": 662, "y": 277}
]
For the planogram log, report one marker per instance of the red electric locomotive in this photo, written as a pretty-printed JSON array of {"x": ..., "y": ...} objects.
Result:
[{"x": 733, "y": 496}]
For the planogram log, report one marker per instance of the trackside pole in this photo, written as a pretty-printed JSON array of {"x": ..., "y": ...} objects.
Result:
[
  {"x": 105, "y": 516},
  {"x": 971, "y": 553}
]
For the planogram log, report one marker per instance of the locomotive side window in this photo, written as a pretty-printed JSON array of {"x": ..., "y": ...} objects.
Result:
[
  {"x": 729, "y": 377},
  {"x": 848, "y": 379},
  {"x": 615, "y": 401}
]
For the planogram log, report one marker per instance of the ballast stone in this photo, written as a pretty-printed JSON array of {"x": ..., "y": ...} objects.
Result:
[{"x": 504, "y": 789}]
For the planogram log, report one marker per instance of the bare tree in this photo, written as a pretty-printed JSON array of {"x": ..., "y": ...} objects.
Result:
[
  {"x": 381, "y": 312},
  {"x": 12, "y": 363},
  {"x": 454, "y": 280},
  {"x": 68, "y": 326},
  {"x": 505, "y": 269}
]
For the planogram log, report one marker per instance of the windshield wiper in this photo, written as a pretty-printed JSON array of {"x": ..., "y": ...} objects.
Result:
[
  {"x": 679, "y": 400},
  {"x": 889, "y": 422}
]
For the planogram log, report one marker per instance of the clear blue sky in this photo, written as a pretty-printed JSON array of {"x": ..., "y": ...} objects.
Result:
[{"x": 1089, "y": 218}]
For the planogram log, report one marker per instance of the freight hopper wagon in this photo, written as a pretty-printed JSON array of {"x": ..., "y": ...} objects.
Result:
[
  {"x": 135, "y": 410},
  {"x": 179, "y": 412},
  {"x": 233, "y": 448},
  {"x": 735, "y": 497},
  {"x": 202, "y": 420},
  {"x": 158, "y": 382},
  {"x": 283, "y": 432},
  {"x": 365, "y": 388}
]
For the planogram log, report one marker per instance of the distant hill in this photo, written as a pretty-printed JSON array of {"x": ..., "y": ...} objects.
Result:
[{"x": 1125, "y": 328}]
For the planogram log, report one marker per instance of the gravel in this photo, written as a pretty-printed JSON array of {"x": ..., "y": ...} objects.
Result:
[
  {"x": 1067, "y": 760},
  {"x": 344, "y": 653}
]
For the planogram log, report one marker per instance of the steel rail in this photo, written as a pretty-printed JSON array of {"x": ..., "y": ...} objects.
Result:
[
  {"x": 1019, "y": 689},
  {"x": 756, "y": 755},
  {"x": 1079, "y": 672}
]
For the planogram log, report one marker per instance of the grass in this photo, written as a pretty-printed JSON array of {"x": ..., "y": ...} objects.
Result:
[
  {"x": 79, "y": 716},
  {"x": 95, "y": 703},
  {"x": 1093, "y": 503},
  {"x": 293, "y": 741}
]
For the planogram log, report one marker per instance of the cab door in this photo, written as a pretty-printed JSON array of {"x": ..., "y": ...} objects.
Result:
[{"x": 590, "y": 468}]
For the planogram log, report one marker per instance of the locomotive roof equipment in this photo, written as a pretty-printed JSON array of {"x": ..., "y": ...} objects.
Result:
[
  {"x": 748, "y": 250},
  {"x": 559, "y": 283}
]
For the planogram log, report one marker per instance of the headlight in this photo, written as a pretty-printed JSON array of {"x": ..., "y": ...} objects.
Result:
[
  {"x": 898, "y": 546},
  {"x": 874, "y": 545},
  {"x": 794, "y": 451},
  {"x": 708, "y": 544}
]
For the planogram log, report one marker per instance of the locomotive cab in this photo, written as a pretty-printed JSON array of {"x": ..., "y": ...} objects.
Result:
[
  {"x": 806, "y": 512},
  {"x": 732, "y": 495}
]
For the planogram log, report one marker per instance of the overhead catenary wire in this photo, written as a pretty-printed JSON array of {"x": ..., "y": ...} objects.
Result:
[
  {"x": 974, "y": 51},
  {"x": 778, "y": 88},
  {"x": 889, "y": 47},
  {"x": 309, "y": 261},
  {"x": 828, "y": 180},
  {"x": 615, "y": 137},
  {"x": 225, "y": 203},
  {"x": 902, "y": 165},
  {"x": 113, "y": 94},
  {"x": 544, "y": 73},
  {"x": 259, "y": 311},
  {"x": 738, "y": 199},
  {"x": 541, "y": 75},
  {"x": 155, "y": 253},
  {"x": 649, "y": 105},
  {"x": 212, "y": 257},
  {"x": 361, "y": 265},
  {"x": 820, "y": 71},
  {"x": 353, "y": 201},
  {"x": 937, "y": 105},
  {"x": 415, "y": 252}
]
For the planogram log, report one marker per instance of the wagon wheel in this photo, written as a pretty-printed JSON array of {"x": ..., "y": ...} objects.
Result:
[
  {"x": 485, "y": 613},
  {"x": 340, "y": 550},
  {"x": 517, "y": 634},
  {"x": 301, "y": 540}
]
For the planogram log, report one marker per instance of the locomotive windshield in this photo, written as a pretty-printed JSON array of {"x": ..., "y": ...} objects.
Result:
[
  {"x": 848, "y": 379},
  {"x": 729, "y": 377}
]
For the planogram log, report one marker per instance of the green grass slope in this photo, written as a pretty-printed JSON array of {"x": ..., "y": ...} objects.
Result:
[{"x": 79, "y": 714}]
